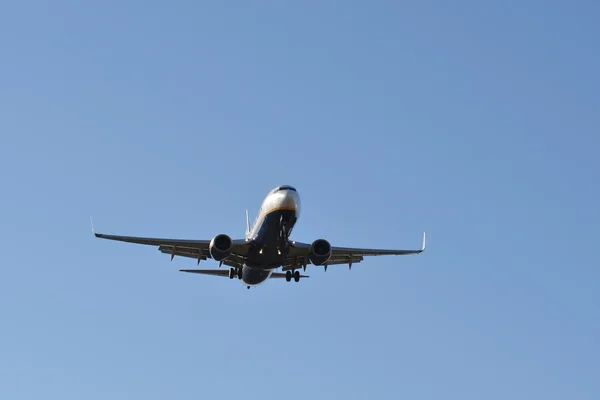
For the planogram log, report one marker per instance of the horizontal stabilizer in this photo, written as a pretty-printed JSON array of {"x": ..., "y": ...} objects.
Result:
[
  {"x": 225, "y": 273},
  {"x": 217, "y": 272},
  {"x": 280, "y": 275}
]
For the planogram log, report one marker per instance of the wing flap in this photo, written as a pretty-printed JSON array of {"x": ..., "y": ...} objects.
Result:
[
  {"x": 334, "y": 260},
  {"x": 189, "y": 252}
]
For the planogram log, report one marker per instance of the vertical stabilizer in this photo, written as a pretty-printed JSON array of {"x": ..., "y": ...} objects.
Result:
[{"x": 247, "y": 225}]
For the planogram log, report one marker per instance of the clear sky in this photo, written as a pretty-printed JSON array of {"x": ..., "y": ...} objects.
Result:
[{"x": 477, "y": 123}]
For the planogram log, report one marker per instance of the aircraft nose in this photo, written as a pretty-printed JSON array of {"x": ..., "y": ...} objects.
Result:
[{"x": 290, "y": 200}]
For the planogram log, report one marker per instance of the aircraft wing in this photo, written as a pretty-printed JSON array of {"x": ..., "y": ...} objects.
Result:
[
  {"x": 197, "y": 244},
  {"x": 198, "y": 249},
  {"x": 345, "y": 255}
]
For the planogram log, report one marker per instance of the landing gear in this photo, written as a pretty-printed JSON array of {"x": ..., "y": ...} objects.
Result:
[
  {"x": 284, "y": 250},
  {"x": 282, "y": 229},
  {"x": 235, "y": 273},
  {"x": 284, "y": 247},
  {"x": 289, "y": 275}
]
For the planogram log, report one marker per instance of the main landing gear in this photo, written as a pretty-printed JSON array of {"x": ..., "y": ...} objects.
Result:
[
  {"x": 233, "y": 273},
  {"x": 295, "y": 275}
]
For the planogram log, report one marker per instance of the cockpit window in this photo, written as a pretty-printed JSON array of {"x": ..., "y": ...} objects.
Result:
[{"x": 286, "y": 187}]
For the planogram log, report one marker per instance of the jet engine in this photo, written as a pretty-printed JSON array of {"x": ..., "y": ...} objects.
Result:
[
  {"x": 220, "y": 247},
  {"x": 320, "y": 252}
]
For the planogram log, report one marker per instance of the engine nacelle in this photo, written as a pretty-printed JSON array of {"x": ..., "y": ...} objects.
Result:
[
  {"x": 220, "y": 247},
  {"x": 320, "y": 252}
]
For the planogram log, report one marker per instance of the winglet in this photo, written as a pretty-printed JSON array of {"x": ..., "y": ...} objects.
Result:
[
  {"x": 93, "y": 230},
  {"x": 423, "y": 248}
]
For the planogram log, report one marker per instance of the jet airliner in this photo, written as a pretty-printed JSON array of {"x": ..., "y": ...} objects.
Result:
[{"x": 266, "y": 247}]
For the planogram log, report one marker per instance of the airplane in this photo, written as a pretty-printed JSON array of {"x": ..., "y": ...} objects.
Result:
[{"x": 266, "y": 247}]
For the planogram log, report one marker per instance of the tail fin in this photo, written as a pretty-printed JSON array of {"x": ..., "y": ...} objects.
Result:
[{"x": 247, "y": 225}]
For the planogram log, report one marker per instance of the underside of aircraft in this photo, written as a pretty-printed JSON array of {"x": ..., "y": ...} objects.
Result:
[{"x": 265, "y": 248}]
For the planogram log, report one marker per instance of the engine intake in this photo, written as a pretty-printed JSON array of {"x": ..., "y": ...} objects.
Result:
[
  {"x": 320, "y": 252},
  {"x": 220, "y": 247}
]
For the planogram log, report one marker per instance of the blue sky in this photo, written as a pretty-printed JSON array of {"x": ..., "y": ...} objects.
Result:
[{"x": 477, "y": 123}]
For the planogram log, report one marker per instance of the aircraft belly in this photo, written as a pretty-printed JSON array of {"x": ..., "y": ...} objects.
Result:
[{"x": 253, "y": 276}]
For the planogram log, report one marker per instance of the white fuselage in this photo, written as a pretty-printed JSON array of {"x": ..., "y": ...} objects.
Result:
[
  {"x": 276, "y": 201},
  {"x": 276, "y": 218}
]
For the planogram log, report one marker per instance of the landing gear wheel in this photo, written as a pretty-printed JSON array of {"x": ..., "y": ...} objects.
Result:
[
  {"x": 231, "y": 273},
  {"x": 288, "y": 276},
  {"x": 296, "y": 276},
  {"x": 239, "y": 273}
]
